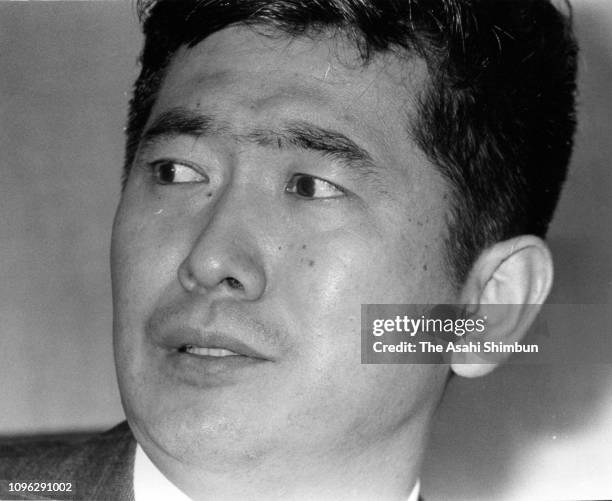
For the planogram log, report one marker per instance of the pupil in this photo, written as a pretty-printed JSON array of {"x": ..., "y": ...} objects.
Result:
[
  {"x": 166, "y": 173},
  {"x": 305, "y": 186}
]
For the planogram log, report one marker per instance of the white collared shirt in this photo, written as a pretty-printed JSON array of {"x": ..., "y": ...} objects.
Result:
[
  {"x": 150, "y": 484},
  {"x": 416, "y": 490}
]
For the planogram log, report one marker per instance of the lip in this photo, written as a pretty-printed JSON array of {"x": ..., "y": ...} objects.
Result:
[
  {"x": 202, "y": 371},
  {"x": 176, "y": 340}
]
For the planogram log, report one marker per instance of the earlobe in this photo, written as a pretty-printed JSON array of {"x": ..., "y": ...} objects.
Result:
[{"x": 507, "y": 286}]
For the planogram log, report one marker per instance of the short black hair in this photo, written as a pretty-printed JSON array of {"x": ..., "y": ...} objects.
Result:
[{"x": 497, "y": 116}]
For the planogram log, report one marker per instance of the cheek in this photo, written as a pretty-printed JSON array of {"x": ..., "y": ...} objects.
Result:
[
  {"x": 144, "y": 258},
  {"x": 343, "y": 269},
  {"x": 327, "y": 278}
]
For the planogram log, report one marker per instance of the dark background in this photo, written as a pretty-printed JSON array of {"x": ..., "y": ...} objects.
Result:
[{"x": 65, "y": 69}]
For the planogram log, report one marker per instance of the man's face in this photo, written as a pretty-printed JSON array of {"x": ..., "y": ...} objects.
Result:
[{"x": 275, "y": 191}]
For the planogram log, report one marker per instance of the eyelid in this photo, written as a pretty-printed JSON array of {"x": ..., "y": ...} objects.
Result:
[
  {"x": 154, "y": 164},
  {"x": 291, "y": 186}
]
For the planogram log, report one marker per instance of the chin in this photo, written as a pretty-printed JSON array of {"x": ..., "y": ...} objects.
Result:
[{"x": 198, "y": 434}]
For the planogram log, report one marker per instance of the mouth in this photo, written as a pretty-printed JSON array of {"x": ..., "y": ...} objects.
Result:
[
  {"x": 192, "y": 351},
  {"x": 207, "y": 344},
  {"x": 211, "y": 361},
  {"x": 207, "y": 352}
]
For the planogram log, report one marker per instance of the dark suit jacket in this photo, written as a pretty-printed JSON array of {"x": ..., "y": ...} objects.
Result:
[{"x": 99, "y": 468}]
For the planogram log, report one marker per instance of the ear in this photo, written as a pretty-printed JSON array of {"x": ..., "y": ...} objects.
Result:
[{"x": 514, "y": 275}]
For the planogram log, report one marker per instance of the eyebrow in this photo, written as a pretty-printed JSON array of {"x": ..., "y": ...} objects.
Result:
[
  {"x": 181, "y": 122},
  {"x": 293, "y": 134}
]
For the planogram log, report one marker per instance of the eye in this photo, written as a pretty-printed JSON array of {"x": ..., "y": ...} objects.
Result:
[
  {"x": 173, "y": 172},
  {"x": 306, "y": 186}
]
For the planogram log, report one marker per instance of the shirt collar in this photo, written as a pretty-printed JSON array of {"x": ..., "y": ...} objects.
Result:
[
  {"x": 416, "y": 491},
  {"x": 150, "y": 484}
]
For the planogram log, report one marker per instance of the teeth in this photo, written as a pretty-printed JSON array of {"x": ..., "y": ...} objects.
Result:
[{"x": 209, "y": 352}]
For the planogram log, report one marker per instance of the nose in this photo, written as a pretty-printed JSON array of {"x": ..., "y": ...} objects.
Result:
[{"x": 224, "y": 258}]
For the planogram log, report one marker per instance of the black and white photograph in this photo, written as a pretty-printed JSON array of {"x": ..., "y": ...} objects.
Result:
[{"x": 303, "y": 250}]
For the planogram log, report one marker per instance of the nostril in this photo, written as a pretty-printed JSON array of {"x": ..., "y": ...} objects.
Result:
[{"x": 233, "y": 283}]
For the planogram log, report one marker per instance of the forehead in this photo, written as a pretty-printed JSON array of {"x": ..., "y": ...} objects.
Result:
[
  {"x": 321, "y": 66},
  {"x": 254, "y": 79}
]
